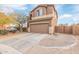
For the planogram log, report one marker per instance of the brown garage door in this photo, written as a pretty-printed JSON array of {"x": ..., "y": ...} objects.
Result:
[{"x": 39, "y": 28}]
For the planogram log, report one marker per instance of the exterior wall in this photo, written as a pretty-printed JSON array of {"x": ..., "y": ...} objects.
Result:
[
  {"x": 47, "y": 21},
  {"x": 49, "y": 16},
  {"x": 53, "y": 22},
  {"x": 52, "y": 26},
  {"x": 34, "y": 12},
  {"x": 50, "y": 10}
]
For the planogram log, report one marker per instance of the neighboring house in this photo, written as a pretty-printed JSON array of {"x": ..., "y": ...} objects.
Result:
[
  {"x": 3, "y": 26},
  {"x": 43, "y": 19},
  {"x": 6, "y": 26}
]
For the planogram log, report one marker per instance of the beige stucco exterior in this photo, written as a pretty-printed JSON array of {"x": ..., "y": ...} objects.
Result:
[{"x": 45, "y": 23}]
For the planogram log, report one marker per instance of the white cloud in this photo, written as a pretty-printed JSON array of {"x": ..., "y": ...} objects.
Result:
[
  {"x": 9, "y": 8},
  {"x": 65, "y": 16},
  {"x": 76, "y": 18},
  {"x": 73, "y": 17},
  {"x": 6, "y": 10}
]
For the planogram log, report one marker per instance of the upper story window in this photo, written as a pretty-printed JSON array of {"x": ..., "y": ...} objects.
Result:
[{"x": 39, "y": 12}]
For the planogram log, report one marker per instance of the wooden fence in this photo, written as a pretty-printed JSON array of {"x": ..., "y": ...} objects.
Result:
[
  {"x": 64, "y": 29},
  {"x": 76, "y": 29}
]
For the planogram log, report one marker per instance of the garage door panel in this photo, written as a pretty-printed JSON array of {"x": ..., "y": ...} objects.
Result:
[{"x": 39, "y": 28}]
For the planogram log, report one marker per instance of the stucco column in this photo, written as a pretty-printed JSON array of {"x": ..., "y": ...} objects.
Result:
[
  {"x": 52, "y": 26},
  {"x": 28, "y": 27}
]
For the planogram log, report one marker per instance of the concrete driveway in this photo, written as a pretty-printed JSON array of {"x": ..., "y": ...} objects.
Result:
[
  {"x": 39, "y": 43},
  {"x": 5, "y": 49},
  {"x": 23, "y": 42}
]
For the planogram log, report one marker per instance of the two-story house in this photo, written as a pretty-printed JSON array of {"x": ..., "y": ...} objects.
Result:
[{"x": 43, "y": 19}]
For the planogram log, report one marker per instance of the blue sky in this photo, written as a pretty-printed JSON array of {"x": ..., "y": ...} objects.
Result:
[{"x": 67, "y": 13}]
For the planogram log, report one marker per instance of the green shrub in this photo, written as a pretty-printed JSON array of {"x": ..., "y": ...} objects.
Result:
[
  {"x": 24, "y": 29},
  {"x": 3, "y": 32}
]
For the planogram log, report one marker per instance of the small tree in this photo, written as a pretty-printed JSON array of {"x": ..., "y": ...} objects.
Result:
[
  {"x": 6, "y": 20},
  {"x": 21, "y": 19}
]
